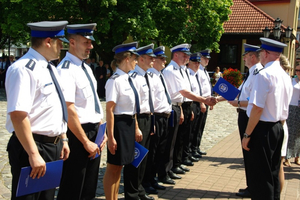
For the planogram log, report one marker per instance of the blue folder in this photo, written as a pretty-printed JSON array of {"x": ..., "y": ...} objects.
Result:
[
  {"x": 51, "y": 179},
  {"x": 100, "y": 136},
  {"x": 139, "y": 154},
  {"x": 225, "y": 89}
]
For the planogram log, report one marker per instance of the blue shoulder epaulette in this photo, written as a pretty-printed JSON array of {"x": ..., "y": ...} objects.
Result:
[
  {"x": 133, "y": 75},
  {"x": 114, "y": 76},
  {"x": 66, "y": 64},
  {"x": 151, "y": 74},
  {"x": 174, "y": 67},
  {"x": 30, "y": 65},
  {"x": 256, "y": 71}
]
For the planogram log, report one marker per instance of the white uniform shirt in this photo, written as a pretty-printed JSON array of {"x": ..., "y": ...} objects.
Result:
[
  {"x": 194, "y": 82},
  {"x": 139, "y": 81},
  {"x": 271, "y": 92},
  {"x": 174, "y": 82},
  {"x": 204, "y": 81},
  {"x": 29, "y": 88},
  {"x": 186, "y": 77},
  {"x": 160, "y": 99},
  {"x": 78, "y": 89},
  {"x": 296, "y": 93},
  {"x": 119, "y": 91},
  {"x": 247, "y": 86}
]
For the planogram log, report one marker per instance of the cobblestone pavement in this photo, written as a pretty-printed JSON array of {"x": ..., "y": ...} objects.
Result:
[{"x": 221, "y": 122}]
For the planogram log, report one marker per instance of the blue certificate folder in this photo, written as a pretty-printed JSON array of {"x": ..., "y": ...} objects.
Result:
[
  {"x": 139, "y": 154},
  {"x": 50, "y": 180},
  {"x": 100, "y": 136},
  {"x": 225, "y": 89}
]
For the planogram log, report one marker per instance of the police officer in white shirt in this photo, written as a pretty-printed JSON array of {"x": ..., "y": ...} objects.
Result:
[
  {"x": 178, "y": 90},
  {"x": 206, "y": 87},
  {"x": 267, "y": 109},
  {"x": 36, "y": 110},
  {"x": 162, "y": 109},
  {"x": 251, "y": 60},
  {"x": 133, "y": 176},
  {"x": 80, "y": 172}
]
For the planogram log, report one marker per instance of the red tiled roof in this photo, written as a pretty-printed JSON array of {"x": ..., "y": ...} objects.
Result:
[{"x": 246, "y": 18}]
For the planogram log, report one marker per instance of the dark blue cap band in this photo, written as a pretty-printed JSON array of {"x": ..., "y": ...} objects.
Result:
[
  {"x": 146, "y": 51},
  {"x": 123, "y": 49},
  {"x": 45, "y": 34},
  {"x": 195, "y": 58},
  {"x": 181, "y": 49},
  {"x": 271, "y": 48},
  {"x": 74, "y": 31},
  {"x": 205, "y": 54},
  {"x": 159, "y": 53},
  {"x": 251, "y": 49}
]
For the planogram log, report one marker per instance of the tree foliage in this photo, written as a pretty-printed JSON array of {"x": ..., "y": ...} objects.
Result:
[{"x": 167, "y": 22}]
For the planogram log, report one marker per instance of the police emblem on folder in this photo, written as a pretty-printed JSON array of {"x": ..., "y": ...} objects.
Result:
[
  {"x": 226, "y": 90},
  {"x": 139, "y": 154}
]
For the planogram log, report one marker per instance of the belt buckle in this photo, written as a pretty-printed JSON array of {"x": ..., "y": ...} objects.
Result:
[{"x": 56, "y": 140}]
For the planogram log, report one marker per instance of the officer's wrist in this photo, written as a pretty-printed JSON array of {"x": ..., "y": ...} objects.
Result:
[
  {"x": 246, "y": 135},
  {"x": 65, "y": 140}
]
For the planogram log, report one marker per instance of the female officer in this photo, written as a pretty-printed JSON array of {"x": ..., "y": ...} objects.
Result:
[{"x": 122, "y": 128}]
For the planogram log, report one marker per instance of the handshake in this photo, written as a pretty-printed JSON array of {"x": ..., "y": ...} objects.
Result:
[{"x": 210, "y": 101}]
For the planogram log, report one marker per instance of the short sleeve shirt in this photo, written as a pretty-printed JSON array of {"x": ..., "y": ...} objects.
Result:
[
  {"x": 160, "y": 99},
  {"x": 204, "y": 81},
  {"x": 30, "y": 89},
  {"x": 78, "y": 89},
  {"x": 119, "y": 91},
  {"x": 272, "y": 91}
]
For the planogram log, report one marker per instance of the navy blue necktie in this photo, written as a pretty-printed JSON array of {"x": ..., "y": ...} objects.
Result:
[
  {"x": 187, "y": 74},
  {"x": 60, "y": 94},
  {"x": 199, "y": 84},
  {"x": 166, "y": 92},
  {"x": 97, "y": 107},
  {"x": 150, "y": 96},
  {"x": 136, "y": 96},
  {"x": 211, "y": 92}
]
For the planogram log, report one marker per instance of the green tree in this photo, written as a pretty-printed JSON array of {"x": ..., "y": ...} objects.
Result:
[{"x": 167, "y": 22}]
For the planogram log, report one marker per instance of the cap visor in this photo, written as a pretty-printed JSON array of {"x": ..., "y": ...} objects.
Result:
[
  {"x": 151, "y": 54},
  {"x": 64, "y": 40},
  {"x": 258, "y": 50},
  {"x": 134, "y": 52},
  {"x": 90, "y": 37}
]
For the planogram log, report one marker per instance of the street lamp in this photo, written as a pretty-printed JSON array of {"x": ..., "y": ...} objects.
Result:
[
  {"x": 277, "y": 32},
  {"x": 278, "y": 22},
  {"x": 266, "y": 32},
  {"x": 288, "y": 32}
]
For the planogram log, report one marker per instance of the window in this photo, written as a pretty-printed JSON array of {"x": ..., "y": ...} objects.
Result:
[{"x": 228, "y": 54}]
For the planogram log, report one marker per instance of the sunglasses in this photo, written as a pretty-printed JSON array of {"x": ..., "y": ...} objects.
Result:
[{"x": 297, "y": 70}]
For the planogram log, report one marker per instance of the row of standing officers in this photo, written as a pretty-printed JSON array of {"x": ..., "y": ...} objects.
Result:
[{"x": 55, "y": 114}]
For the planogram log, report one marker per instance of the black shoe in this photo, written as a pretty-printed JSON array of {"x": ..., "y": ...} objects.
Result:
[
  {"x": 146, "y": 197},
  {"x": 188, "y": 163},
  {"x": 245, "y": 194},
  {"x": 184, "y": 168},
  {"x": 243, "y": 190},
  {"x": 177, "y": 170},
  {"x": 166, "y": 180},
  {"x": 150, "y": 190},
  {"x": 201, "y": 152},
  {"x": 197, "y": 155},
  {"x": 158, "y": 187},
  {"x": 193, "y": 159},
  {"x": 173, "y": 175}
]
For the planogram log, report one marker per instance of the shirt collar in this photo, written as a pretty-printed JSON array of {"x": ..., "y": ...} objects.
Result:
[
  {"x": 271, "y": 63},
  {"x": 153, "y": 70},
  {"x": 139, "y": 70},
  {"x": 74, "y": 59},
  {"x": 41, "y": 59}
]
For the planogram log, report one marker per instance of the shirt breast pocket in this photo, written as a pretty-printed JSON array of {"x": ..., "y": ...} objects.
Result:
[
  {"x": 85, "y": 90},
  {"x": 48, "y": 95}
]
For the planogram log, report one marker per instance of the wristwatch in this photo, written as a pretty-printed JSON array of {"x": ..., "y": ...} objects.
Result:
[
  {"x": 246, "y": 135},
  {"x": 65, "y": 139}
]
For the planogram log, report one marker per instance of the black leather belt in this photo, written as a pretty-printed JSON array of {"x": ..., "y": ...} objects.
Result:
[
  {"x": 44, "y": 138},
  {"x": 196, "y": 102},
  {"x": 126, "y": 116},
  {"x": 144, "y": 115},
  {"x": 240, "y": 110},
  {"x": 167, "y": 115},
  {"x": 187, "y": 103},
  {"x": 176, "y": 104}
]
